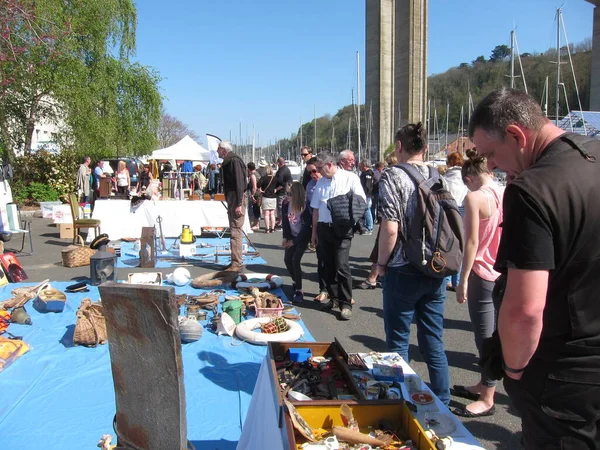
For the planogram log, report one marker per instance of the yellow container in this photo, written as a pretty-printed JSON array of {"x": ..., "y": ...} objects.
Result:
[{"x": 367, "y": 414}]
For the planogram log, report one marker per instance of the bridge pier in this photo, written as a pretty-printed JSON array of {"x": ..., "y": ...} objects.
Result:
[{"x": 396, "y": 66}]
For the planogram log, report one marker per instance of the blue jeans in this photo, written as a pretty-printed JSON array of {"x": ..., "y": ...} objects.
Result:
[
  {"x": 408, "y": 293},
  {"x": 368, "y": 216}
]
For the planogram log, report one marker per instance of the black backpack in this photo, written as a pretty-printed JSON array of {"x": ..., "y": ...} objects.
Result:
[{"x": 435, "y": 239}]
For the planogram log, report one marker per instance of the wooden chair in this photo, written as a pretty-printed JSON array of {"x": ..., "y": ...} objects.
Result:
[
  {"x": 220, "y": 197},
  {"x": 81, "y": 223}
]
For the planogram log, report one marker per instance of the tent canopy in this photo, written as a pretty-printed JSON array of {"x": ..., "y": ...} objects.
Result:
[{"x": 186, "y": 149}]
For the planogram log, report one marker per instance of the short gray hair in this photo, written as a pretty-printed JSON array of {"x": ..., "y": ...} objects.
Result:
[
  {"x": 326, "y": 158},
  {"x": 226, "y": 145},
  {"x": 344, "y": 154},
  {"x": 505, "y": 107}
]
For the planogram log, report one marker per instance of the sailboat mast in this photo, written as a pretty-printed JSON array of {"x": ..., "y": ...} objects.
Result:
[
  {"x": 447, "y": 123},
  {"x": 512, "y": 59},
  {"x": 315, "y": 126},
  {"x": 300, "y": 132},
  {"x": 358, "y": 101},
  {"x": 558, "y": 19}
]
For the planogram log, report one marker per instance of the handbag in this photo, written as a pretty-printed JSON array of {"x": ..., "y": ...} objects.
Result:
[
  {"x": 77, "y": 255},
  {"x": 258, "y": 195},
  {"x": 90, "y": 328}
]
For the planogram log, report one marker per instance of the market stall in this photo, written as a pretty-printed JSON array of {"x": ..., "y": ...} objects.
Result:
[
  {"x": 60, "y": 396},
  {"x": 119, "y": 220}
]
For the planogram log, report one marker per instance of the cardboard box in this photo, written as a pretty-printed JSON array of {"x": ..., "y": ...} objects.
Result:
[
  {"x": 278, "y": 351},
  {"x": 368, "y": 415},
  {"x": 66, "y": 230}
]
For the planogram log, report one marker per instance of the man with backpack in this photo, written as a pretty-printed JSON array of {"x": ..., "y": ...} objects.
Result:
[{"x": 420, "y": 242}]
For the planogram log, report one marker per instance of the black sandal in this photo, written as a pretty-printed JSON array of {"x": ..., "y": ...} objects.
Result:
[
  {"x": 461, "y": 391},
  {"x": 464, "y": 412}
]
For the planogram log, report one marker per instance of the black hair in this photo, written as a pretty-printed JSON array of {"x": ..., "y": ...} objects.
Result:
[{"x": 413, "y": 138}]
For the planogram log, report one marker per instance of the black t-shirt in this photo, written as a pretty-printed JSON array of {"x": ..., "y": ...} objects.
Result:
[
  {"x": 268, "y": 184},
  {"x": 527, "y": 241},
  {"x": 283, "y": 177},
  {"x": 551, "y": 218}
]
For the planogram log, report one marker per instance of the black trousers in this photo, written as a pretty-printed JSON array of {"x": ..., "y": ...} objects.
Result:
[
  {"x": 293, "y": 258},
  {"x": 335, "y": 252},
  {"x": 558, "y": 409}
]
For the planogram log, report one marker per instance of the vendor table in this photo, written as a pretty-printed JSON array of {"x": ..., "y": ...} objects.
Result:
[
  {"x": 119, "y": 221},
  {"x": 261, "y": 429},
  {"x": 61, "y": 397}
]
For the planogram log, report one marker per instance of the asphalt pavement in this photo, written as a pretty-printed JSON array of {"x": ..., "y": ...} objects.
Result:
[{"x": 363, "y": 333}]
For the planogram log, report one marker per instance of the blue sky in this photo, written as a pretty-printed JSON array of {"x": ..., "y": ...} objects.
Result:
[{"x": 269, "y": 63}]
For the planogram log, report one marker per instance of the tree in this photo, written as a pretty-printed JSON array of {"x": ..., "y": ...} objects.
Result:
[
  {"x": 69, "y": 61},
  {"x": 479, "y": 60},
  {"x": 463, "y": 65},
  {"x": 500, "y": 52},
  {"x": 172, "y": 130}
]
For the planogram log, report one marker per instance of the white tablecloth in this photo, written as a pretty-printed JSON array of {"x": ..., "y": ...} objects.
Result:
[
  {"x": 118, "y": 221},
  {"x": 261, "y": 428}
]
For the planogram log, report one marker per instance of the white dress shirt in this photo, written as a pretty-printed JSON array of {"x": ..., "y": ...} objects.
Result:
[{"x": 341, "y": 183}]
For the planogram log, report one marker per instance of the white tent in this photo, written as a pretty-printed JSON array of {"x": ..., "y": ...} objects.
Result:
[{"x": 185, "y": 149}]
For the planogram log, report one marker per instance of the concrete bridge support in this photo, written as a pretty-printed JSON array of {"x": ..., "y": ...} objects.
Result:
[
  {"x": 396, "y": 66},
  {"x": 595, "y": 81}
]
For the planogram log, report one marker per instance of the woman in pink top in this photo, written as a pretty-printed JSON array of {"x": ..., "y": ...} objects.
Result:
[{"x": 483, "y": 215}]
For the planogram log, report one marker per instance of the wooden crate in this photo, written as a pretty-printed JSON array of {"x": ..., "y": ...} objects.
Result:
[
  {"x": 366, "y": 413},
  {"x": 332, "y": 350}
]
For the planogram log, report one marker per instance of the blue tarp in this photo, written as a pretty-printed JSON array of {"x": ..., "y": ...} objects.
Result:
[
  {"x": 61, "y": 397},
  {"x": 205, "y": 255}
]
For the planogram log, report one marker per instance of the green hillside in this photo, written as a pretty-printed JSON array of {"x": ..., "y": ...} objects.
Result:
[{"x": 452, "y": 88}]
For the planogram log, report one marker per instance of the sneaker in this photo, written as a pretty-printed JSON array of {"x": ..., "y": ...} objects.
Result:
[
  {"x": 346, "y": 313},
  {"x": 299, "y": 297},
  {"x": 311, "y": 248},
  {"x": 367, "y": 233}
]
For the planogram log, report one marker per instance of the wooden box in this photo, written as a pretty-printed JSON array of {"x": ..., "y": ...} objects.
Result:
[
  {"x": 367, "y": 414},
  {"x": 105, "y": 187},
  {"x": 66, "y": 230},
  {"x": 334, "y": 350}
]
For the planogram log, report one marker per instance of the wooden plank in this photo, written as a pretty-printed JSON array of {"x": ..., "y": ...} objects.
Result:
[{"x": 147, "y": 368}]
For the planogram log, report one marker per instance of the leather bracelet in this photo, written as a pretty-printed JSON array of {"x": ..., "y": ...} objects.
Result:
[
  {"x": 381, "y": 265},
  {"x": 511, "y": 370}
]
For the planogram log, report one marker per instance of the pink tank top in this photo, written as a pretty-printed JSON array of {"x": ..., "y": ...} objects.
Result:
[{"x": 489, "y": 235}]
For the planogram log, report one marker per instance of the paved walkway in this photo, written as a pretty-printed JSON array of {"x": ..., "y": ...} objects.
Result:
[{"x": 363, "y": 333}]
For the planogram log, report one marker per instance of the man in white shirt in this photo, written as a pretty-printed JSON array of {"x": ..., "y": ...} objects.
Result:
[{"x": 334, "y": 249}]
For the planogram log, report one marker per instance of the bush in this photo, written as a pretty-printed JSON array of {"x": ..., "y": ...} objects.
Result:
[{"x": 34, "y": 193}]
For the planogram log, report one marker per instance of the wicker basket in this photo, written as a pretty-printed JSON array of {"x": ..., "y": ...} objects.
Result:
[
  {"x": 77, "y": 255},
  {"x": 90, "y": 328}
]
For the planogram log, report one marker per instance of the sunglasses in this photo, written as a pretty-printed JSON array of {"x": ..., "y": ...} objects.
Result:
[
  {"x": 304, "y": 154},
  {"x": 313, "y": 171}
]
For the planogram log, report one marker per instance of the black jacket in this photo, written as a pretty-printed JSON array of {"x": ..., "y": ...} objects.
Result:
[
  {"x": 366, "y": 180},
  {"x": 283, "y": 177},
  {"x": 235, "y": 179},
  {"x": 346, "y": 210}
]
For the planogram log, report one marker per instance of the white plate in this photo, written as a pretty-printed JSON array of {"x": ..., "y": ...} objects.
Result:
[{"x": 442, "y": 424}]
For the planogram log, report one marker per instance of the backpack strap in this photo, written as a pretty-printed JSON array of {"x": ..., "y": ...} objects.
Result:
[{"x": 415, "y": 174}]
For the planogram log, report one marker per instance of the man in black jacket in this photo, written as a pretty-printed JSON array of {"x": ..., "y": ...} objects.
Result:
[
  {"x": 235, "y": 182},
  {"x": 366, "y": 181},
  {"x": 283, "y": 178},
  {"x": 306, "y": 154}
]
